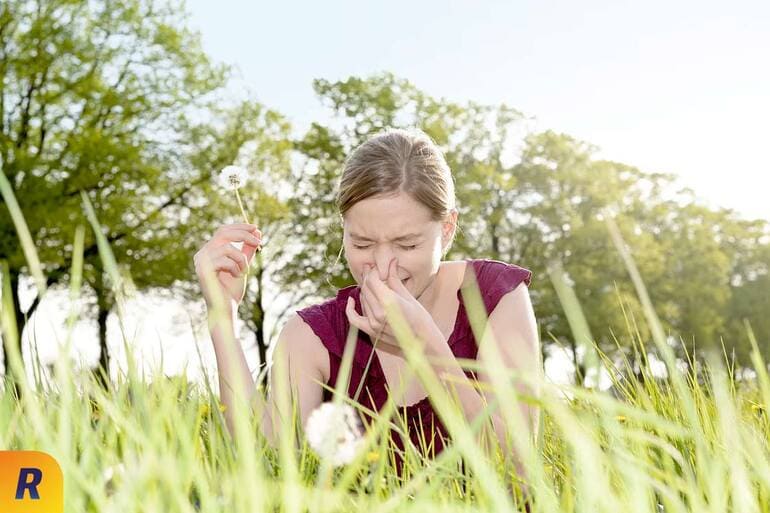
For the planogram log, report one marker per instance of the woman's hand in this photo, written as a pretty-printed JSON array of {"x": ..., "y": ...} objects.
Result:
[
  {"x": 227, "y": 264},
  {"x": 375, "y": 294}
]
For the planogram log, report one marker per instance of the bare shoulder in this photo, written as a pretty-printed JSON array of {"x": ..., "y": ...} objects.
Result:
[
  {"x": 515, "y": 300},
  {"x": 455, "y": 270},
  {"x": 514, "y": 312},
  {"x": 454, "y": 264},
  {"x": 304, "y": 346}
]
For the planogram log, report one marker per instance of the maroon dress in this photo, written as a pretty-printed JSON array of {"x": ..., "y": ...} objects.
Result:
[{"x": 329, "y": 321}]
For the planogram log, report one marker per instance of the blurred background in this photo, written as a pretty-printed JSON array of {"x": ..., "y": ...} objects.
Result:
[{"x": 549, "y": 114}]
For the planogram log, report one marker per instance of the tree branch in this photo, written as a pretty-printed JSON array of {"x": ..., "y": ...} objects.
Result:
[{"x": 58, "y": 272}]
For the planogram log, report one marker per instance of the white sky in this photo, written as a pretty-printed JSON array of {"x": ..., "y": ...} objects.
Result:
[
  {"x": 678, "y": 87},
  {"x": 675, "y": 87}
]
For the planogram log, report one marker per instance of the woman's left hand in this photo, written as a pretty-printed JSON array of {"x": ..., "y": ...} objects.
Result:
[{"x": 375, "y": 294}]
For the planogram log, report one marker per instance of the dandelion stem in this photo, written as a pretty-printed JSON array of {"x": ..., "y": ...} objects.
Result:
[
  {"x": 240, "y": 204},
  {"x": 245, "y": 218}
]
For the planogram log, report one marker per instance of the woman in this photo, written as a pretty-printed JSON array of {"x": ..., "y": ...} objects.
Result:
[{"x": 397, "y": 205}]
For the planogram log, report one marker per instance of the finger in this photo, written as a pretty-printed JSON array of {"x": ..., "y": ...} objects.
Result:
[
  {"x": 239, "y": 235},
  {"x": 228, "y": 251},
  {"x": 366, "y": 310},
  {"x": 367, "y": 270},
  {"x": 374, "y": 315},
  {"x": 217, "y": 260},
  {"x": 228, "y": 234},
  {"x": 235, "y": 239},
  {"x": 379, "y": 289},
  {"x": 386, "y": 335},
  {"x": 394, "y": 282},
  {"x": 215, "y": 263},
  {"x": 353, "y": 317},
  {"x": 247, "y": 226},
  {"x": 375, "y": 310},
  {"x": 375, "y": 326},
  {"x": 236, "y": 227},
  {"x": 370, "y": 278},
  {"x": 249, "y": 250},
  {"x": 226, "y": 264}
]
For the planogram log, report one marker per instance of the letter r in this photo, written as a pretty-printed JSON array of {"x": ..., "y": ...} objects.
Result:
[{"x": 26, "y": 484}]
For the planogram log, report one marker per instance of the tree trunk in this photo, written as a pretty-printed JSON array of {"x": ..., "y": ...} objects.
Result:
[
  {"x": 261, "y": 344},
  {"x": 580, "y": 372},
  {"x": 258, "y": 314},
  {"x": 495, "y": 241},
  {"x": 13, "y": 282},
  {"x": 102, "y": 372}
]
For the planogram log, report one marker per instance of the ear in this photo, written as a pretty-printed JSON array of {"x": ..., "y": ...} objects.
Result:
[{"x": 448, "y": 227}]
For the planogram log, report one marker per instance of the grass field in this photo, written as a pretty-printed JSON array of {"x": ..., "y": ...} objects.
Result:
[{"x": 692, "y": 442}]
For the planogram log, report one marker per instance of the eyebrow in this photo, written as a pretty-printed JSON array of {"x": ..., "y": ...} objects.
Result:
[{"x": 408, "y": 236}]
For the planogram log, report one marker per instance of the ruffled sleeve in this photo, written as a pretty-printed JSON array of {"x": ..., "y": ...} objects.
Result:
[
  {"x": 497, "y": 278},
  {"x": 316, "y": 317}
]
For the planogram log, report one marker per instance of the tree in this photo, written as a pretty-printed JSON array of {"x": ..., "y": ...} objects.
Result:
[
  {"x": 747, "y": 243},
  {"x": 92, "y": 99}
]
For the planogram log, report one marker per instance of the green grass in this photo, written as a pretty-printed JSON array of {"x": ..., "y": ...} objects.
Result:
[{"x": 695, "y": 442}]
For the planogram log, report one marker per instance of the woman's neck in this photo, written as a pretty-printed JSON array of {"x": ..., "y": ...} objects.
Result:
[{"x": 429, "y": 297}]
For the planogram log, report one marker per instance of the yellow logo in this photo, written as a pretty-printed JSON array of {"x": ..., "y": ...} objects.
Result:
[{"x": 30, "y": 482}]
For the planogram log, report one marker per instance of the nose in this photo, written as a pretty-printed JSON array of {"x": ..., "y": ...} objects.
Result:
[{"x": 382, "y": 262}]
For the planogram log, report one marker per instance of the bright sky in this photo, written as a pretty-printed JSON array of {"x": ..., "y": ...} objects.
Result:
[{"x": 674, "y": 87}]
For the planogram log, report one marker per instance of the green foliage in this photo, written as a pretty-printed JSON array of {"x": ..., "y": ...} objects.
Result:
[
  {"x": 106, "y": 99},
  {"x": 92, "y": 94},
  {"x": 544, "y": 206}
]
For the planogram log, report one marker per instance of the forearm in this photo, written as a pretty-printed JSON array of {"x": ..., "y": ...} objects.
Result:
[
  {"x": 235, "y": 381},
  {"x": 472, "y": 403}
]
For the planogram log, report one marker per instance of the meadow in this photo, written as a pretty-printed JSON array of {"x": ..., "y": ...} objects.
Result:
[{"x": 694, "y": 441}]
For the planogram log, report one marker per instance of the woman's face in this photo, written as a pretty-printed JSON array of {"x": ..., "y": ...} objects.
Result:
[{"x": 378, "y": 229}]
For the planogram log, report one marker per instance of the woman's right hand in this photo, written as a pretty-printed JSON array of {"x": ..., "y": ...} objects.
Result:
[{"x": 228, "y": 263}]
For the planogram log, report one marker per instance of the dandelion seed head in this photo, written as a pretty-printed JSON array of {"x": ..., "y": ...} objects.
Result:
[
  {"x": 232, "y": 177},
  {"x": 111, "y": 472},
  {"x": 112, "y": 476},
  {"x": 334, "y": 432}
]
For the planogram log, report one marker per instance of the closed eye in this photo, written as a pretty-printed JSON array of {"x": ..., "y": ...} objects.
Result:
[{"x": 406, "y": 248}]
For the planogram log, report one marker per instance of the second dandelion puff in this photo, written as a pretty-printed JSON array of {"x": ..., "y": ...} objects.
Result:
[{"x": 335, "y": 433}]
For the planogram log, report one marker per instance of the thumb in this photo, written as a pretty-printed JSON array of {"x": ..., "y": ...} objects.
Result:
[
  {"x": 393, "y": 279},
  {"x": 350, "y": 311},
  {"x": 350, "y": 307},
  {"x": 248, "y": 250}
]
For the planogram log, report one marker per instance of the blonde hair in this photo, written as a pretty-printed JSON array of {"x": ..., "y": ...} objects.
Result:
[{"x": 398, "y": 160}]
